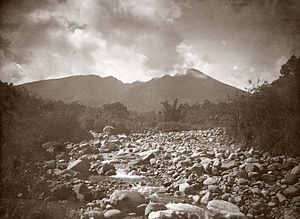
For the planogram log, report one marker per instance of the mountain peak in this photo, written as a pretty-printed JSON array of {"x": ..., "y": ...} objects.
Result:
[
  {"x": 192, "y": 72},
  {"x": 195, "y": 73}
]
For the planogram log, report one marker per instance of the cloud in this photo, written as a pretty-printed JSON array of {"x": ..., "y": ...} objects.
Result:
[
  {"x": 101, "y": 37},
  {"x": 190, "y": 59},
  {"x": 137, "y": 40}
]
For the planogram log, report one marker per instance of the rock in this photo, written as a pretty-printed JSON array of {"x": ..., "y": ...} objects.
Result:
[
  {"x": 252, "y": 160},
  {"x": 126, "y": 199},
  {"x": 206, "y": 198},
  {"x": 105, "y": 168},
  {"x": 250, "y": 167},
  {"x": 289, "y": 216},
  {"x": 198, "y": 169},
  {"x": 206, "y": 162},
  {"x": 289, "y": 179},
  {"x": 259, "y": 207},
  {"x": 90, "y": 150},
  {"x": 140, "y": 209},
  {"x": 82, "y": 192},
  {"x": 113, "y": 214},
  {"x": 81, "y": 166},
  {"x": 51, "y": 164},
  {"x": 110, "y": 172},
  {"x": 62, "y": 192},
  {"x": 196, "y": 199},
  {"x": 296, "y": 199},
  {"x": 213, "y": 189},
  {"x": 187, "y": 208},
  {"x": 243, "y": 174},
  {"x": 186, "y": 188},
  {"x": 107, "y": 129},
  {"x": 96, "y": 214},
  {"x": 154, "y": 207},
  {"x": 109, "y": 146},
  {"x": 226, "y": 209},
  {"x": 238, "y": 199},
  {"x": 226, "y": 196},
  {"x": 164, "y": 214},
  {"x": 242, "y": 181},
  {"x": 54, "y": 147},
  {"x": 274, "y": 167},
  {"x": 254, "y": 175},
  {"x": 146, "y": 159},
  {"x": 269, "y": 178},
  {"x": 291, "y": 191},
  {"x": 281, "y": 198},
  {"x": 296, "y": 170},
  {"x": 228, "y": 164},
  {"x": 288, "y": 164},
  {"x": 209, "y": 181},
  {"x": 217, "y": 163},
  {"x": 232, "y": 156}
]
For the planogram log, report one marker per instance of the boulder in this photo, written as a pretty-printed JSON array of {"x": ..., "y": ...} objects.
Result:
[
  {"x": 113, "y": 214},
  {"x": 197, "y": 169},
  {"x": 206, "y": 198},
  {"x": 140, "y": 209},
  {"x": 281, "y": 198},
  {"x": 81, "y": 166},
  {"x": 126, "y": 199},
  {"x": 105, "y": 168},
  {"x": 242, "y": 181},
  {"x": 224, "y": 208},
  {"x": 186, "y": 188},
  {"x": 62, "y": 192},
  {"x": 95, "y": 214},
  {"x": 228, "y": 164},
  {"x": 188, "y": 209},
  {"x": 82, "y": 192},
  {"x": 154, "y": 207},
  {"x": 296, "y": 170},
  {"x": 289, "y": 179},
  {"x": 291, "y": 191},
  {"x": 206, "y": 162},
  {"x": 54, "y": 147},
  {"x": 146, "y": 159},
  {"x": 163, "y": 214},
  {"x": 250, "y": 167},
  {"x": 209, "y": 181},
  {"x": 109, "y": 146}
]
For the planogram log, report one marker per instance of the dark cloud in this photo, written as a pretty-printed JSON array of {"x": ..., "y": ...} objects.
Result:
[{"x": 231, "y": 40}]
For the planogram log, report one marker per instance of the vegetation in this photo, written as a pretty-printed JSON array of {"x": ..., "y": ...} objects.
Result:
[{"x": 267, "y": 117}]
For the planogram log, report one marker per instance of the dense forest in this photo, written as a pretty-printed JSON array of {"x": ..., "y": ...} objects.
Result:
[{"x": 267, "y": 117}]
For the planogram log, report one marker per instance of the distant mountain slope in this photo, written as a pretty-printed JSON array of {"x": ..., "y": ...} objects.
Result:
[{"x": 191, "y": 87}]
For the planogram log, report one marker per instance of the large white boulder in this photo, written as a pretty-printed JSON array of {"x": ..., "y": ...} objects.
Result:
[
  {"x": 126, "y": 199},
  {"x": 226, "y": 209}
]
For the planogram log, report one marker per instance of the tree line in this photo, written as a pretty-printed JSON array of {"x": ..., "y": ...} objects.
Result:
[{"x": 267, "y": 116}]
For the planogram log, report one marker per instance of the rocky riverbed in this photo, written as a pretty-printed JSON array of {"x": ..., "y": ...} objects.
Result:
[{"x": 188, "y": 174}]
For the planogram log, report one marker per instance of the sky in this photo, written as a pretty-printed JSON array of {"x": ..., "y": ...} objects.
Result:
[{"x": 230, "y": 40}]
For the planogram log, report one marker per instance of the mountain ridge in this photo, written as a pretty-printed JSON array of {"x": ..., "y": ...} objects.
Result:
[{"x": 190, "y": 87}]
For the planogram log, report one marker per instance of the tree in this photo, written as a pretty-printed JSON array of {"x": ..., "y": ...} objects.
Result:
[
  {"x": 117, "y": 109},
  {"x": 172, "y": 112}
]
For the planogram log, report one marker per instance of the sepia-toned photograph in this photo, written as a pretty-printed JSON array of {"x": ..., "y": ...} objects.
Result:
[{"x": 150, "y": 109}]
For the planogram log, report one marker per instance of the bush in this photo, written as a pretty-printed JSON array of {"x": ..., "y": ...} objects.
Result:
[{"x": 269, "y": 116}]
